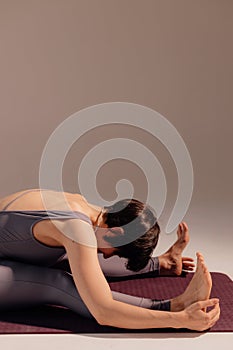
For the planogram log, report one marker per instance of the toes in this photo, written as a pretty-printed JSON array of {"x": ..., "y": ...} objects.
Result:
[
  {"x": 200, "y": 258},
  {"x": 179, "y": 231},
  {"x": 201, "y": 263},
  {"x": 203, "y": 266},
  {"x": 199, "y": 255},
  {"x": 182, "y": 233},
  {"x": 185, "y": 226}
]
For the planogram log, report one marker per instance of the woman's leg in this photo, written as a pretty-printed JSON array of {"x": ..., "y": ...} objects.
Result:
[
  {"x": 115, "y": 266},
  {"x": 25, "y": 285}
]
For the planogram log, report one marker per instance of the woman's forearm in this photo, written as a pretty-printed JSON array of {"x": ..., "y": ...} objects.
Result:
[{"x": 122, "y": 315}]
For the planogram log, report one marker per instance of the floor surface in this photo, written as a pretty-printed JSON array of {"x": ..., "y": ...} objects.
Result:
[{"x": 210, "y": 233}]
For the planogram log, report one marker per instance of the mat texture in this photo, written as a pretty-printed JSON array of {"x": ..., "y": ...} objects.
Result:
[{"x": 53, "y": 319}]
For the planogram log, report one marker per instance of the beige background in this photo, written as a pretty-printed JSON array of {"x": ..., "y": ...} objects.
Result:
[
  {"x": 174, "y": 56},
  {"x": 58, "y": 57}
]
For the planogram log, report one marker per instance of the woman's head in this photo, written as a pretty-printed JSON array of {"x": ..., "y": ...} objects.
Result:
[{"x": 139, "y": 238}]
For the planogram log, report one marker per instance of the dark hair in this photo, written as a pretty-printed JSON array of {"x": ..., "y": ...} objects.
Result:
[{"x": 146, "y": 230}]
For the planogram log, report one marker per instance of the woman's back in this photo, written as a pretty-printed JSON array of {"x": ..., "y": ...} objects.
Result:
[
  {"x": 32, "y": 199},
  {"x": 26, "y": 231}
]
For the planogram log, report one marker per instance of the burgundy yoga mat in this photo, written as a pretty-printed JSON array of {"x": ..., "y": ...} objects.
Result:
[{"x": 53, "y": 319}]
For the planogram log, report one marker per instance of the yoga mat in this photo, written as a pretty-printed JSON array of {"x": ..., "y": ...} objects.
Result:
[{"x": 53, "y": 319}]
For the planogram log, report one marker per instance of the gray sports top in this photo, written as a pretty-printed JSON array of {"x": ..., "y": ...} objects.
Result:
[{"x": 17, "y": 241}]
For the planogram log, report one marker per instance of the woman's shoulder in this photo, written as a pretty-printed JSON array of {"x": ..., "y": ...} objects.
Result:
[
  {"x": 43, "y": 199},
  {"x": 77, "y": 228}
]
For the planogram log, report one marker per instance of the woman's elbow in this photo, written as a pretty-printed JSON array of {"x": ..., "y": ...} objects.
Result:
[
  {"x": 101, "y": 319},
  {"x": 106, "y": 318},
  {"x": 103, "y": 316}
]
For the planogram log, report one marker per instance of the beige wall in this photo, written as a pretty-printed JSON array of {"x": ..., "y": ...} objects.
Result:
[{"x": 58, "y": 57}]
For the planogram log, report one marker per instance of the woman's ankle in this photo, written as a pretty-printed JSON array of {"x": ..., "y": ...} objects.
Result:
[{"x": 177, "y": 304}]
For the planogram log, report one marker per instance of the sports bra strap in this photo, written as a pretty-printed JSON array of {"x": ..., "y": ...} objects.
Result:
[
  {"x": 20, "y": 195},
  {"x": 78, "y": 214}
]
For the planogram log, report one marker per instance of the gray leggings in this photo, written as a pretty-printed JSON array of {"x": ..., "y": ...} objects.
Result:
[{"x": 25, "y": 285}]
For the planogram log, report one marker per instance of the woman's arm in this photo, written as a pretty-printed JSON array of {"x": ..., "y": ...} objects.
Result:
[{"x": 80, "y": 243}]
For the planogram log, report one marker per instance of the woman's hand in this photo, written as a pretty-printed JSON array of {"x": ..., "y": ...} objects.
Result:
[{"x": 197, "y": 319}]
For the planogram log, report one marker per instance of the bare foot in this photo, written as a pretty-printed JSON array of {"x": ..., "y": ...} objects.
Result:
[
  {"x": 198, "y": 289},
  {"x": 171, "y": 263}
]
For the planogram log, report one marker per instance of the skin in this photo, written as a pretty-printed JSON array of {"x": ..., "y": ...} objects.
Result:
[
  {"x": 187, "y": 310},
  {"x": 198, "y": 289},
  {"x": 171, "y": 262}
]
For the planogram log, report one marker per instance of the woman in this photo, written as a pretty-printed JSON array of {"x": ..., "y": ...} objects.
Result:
[{"x": 33, "y": 239}]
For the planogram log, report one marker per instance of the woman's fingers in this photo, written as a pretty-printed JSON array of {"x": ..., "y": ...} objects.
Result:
[
  {"x": 215, "y": 311},
  {"x": 206, "y": 303},
  {"x": 187, "y": 268},
  {"x": 215, "y": 316},
  {"x": 186, "y": 258},
  {"x": 188, "y": 264}
]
